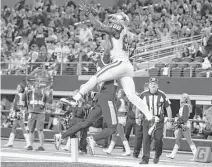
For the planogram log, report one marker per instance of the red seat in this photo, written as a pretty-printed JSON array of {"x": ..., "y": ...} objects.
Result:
[
  {"x": 154, "y": 71},
  {"x": 195, "y": 65},
  {"x": 187, "y": 59},
  {"x": 199, "y": 59},
  {"x": 176, "y": 72},
  {"x": 176, "y": 59},
  {"x": 172, "y": 65},
  {"x": 183, "y": 65},
  {"x": 159, "y": 65}
]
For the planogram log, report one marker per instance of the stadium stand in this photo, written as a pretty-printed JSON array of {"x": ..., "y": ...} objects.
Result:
[{"x": 29, "y": 38}]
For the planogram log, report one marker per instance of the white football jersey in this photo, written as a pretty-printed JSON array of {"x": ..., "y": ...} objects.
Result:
[{"x": 119, "y": 45}]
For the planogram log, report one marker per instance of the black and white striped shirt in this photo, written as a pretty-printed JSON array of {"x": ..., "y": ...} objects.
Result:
[{"x": 156, "y": 102}]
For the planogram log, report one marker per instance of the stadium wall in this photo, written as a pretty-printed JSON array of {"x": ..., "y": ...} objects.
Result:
[{"x": 192, "y": 86}]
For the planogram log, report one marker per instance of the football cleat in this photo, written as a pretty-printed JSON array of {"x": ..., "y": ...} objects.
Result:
[
  {"x": 90, "y": 145},
  {"x": 81, "y": 152},
  {"x": 57, "y": 140},
  {"x": 40, "y": 149},
  {"x": 65, "y": 148},
  {"x": 170, "y": 156},
  {"x": 29, "y": 148},
  {"x": 106, "y": 151},
  {"x": 126, "y": 154},
  {"x": 156, "y": 159}
]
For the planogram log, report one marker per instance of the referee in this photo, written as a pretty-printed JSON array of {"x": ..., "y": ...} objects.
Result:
[{"x": 157, "y": 102}]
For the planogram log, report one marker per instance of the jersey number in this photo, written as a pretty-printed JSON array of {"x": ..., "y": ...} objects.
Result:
[{"x": 115, "y": 26}]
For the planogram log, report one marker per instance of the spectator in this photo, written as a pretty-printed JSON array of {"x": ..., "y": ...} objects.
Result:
[
  {"x": 206, "y": 65},
  {"x": 5, "y": 123},
  {"x": 85, "y": 34},
  {"x": 51, "y": 37},
  {"x": 55, "y": 120},
  {"x": 207, "y": 131},
  {"x": 195, "y": 50},
  {"x": 196, "y": 125},
  {"x": 5, "y": 104}
]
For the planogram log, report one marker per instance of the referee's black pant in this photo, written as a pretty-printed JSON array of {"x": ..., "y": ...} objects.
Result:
[{"x": 147, "y": 139}]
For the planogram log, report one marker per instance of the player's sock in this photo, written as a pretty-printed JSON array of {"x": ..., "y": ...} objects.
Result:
[
  {"x": 85, "y": 88},
  {"x": 139, "y": 103},
  {"x": 193, "y": 149}
]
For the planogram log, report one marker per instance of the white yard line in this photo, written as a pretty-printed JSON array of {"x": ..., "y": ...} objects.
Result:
[{"x": 94, "y": 160}]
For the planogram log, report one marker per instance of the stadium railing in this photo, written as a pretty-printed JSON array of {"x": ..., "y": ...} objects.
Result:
[
  {"x": 180, "y": 69},
  {"x": 163, "y": 69},
  {"x": 159, "y": 49}
]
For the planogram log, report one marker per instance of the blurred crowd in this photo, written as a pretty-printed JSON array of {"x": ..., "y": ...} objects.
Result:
[{"x": 45, "y": 32}]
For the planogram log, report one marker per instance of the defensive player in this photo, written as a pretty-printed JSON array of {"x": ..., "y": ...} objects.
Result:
[
  {"x": 120, "y": 67},
  {"x": 104, "y": 106}
]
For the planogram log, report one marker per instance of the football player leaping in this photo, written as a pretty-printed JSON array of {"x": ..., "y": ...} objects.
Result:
[{"x": 120, "y": 66}]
